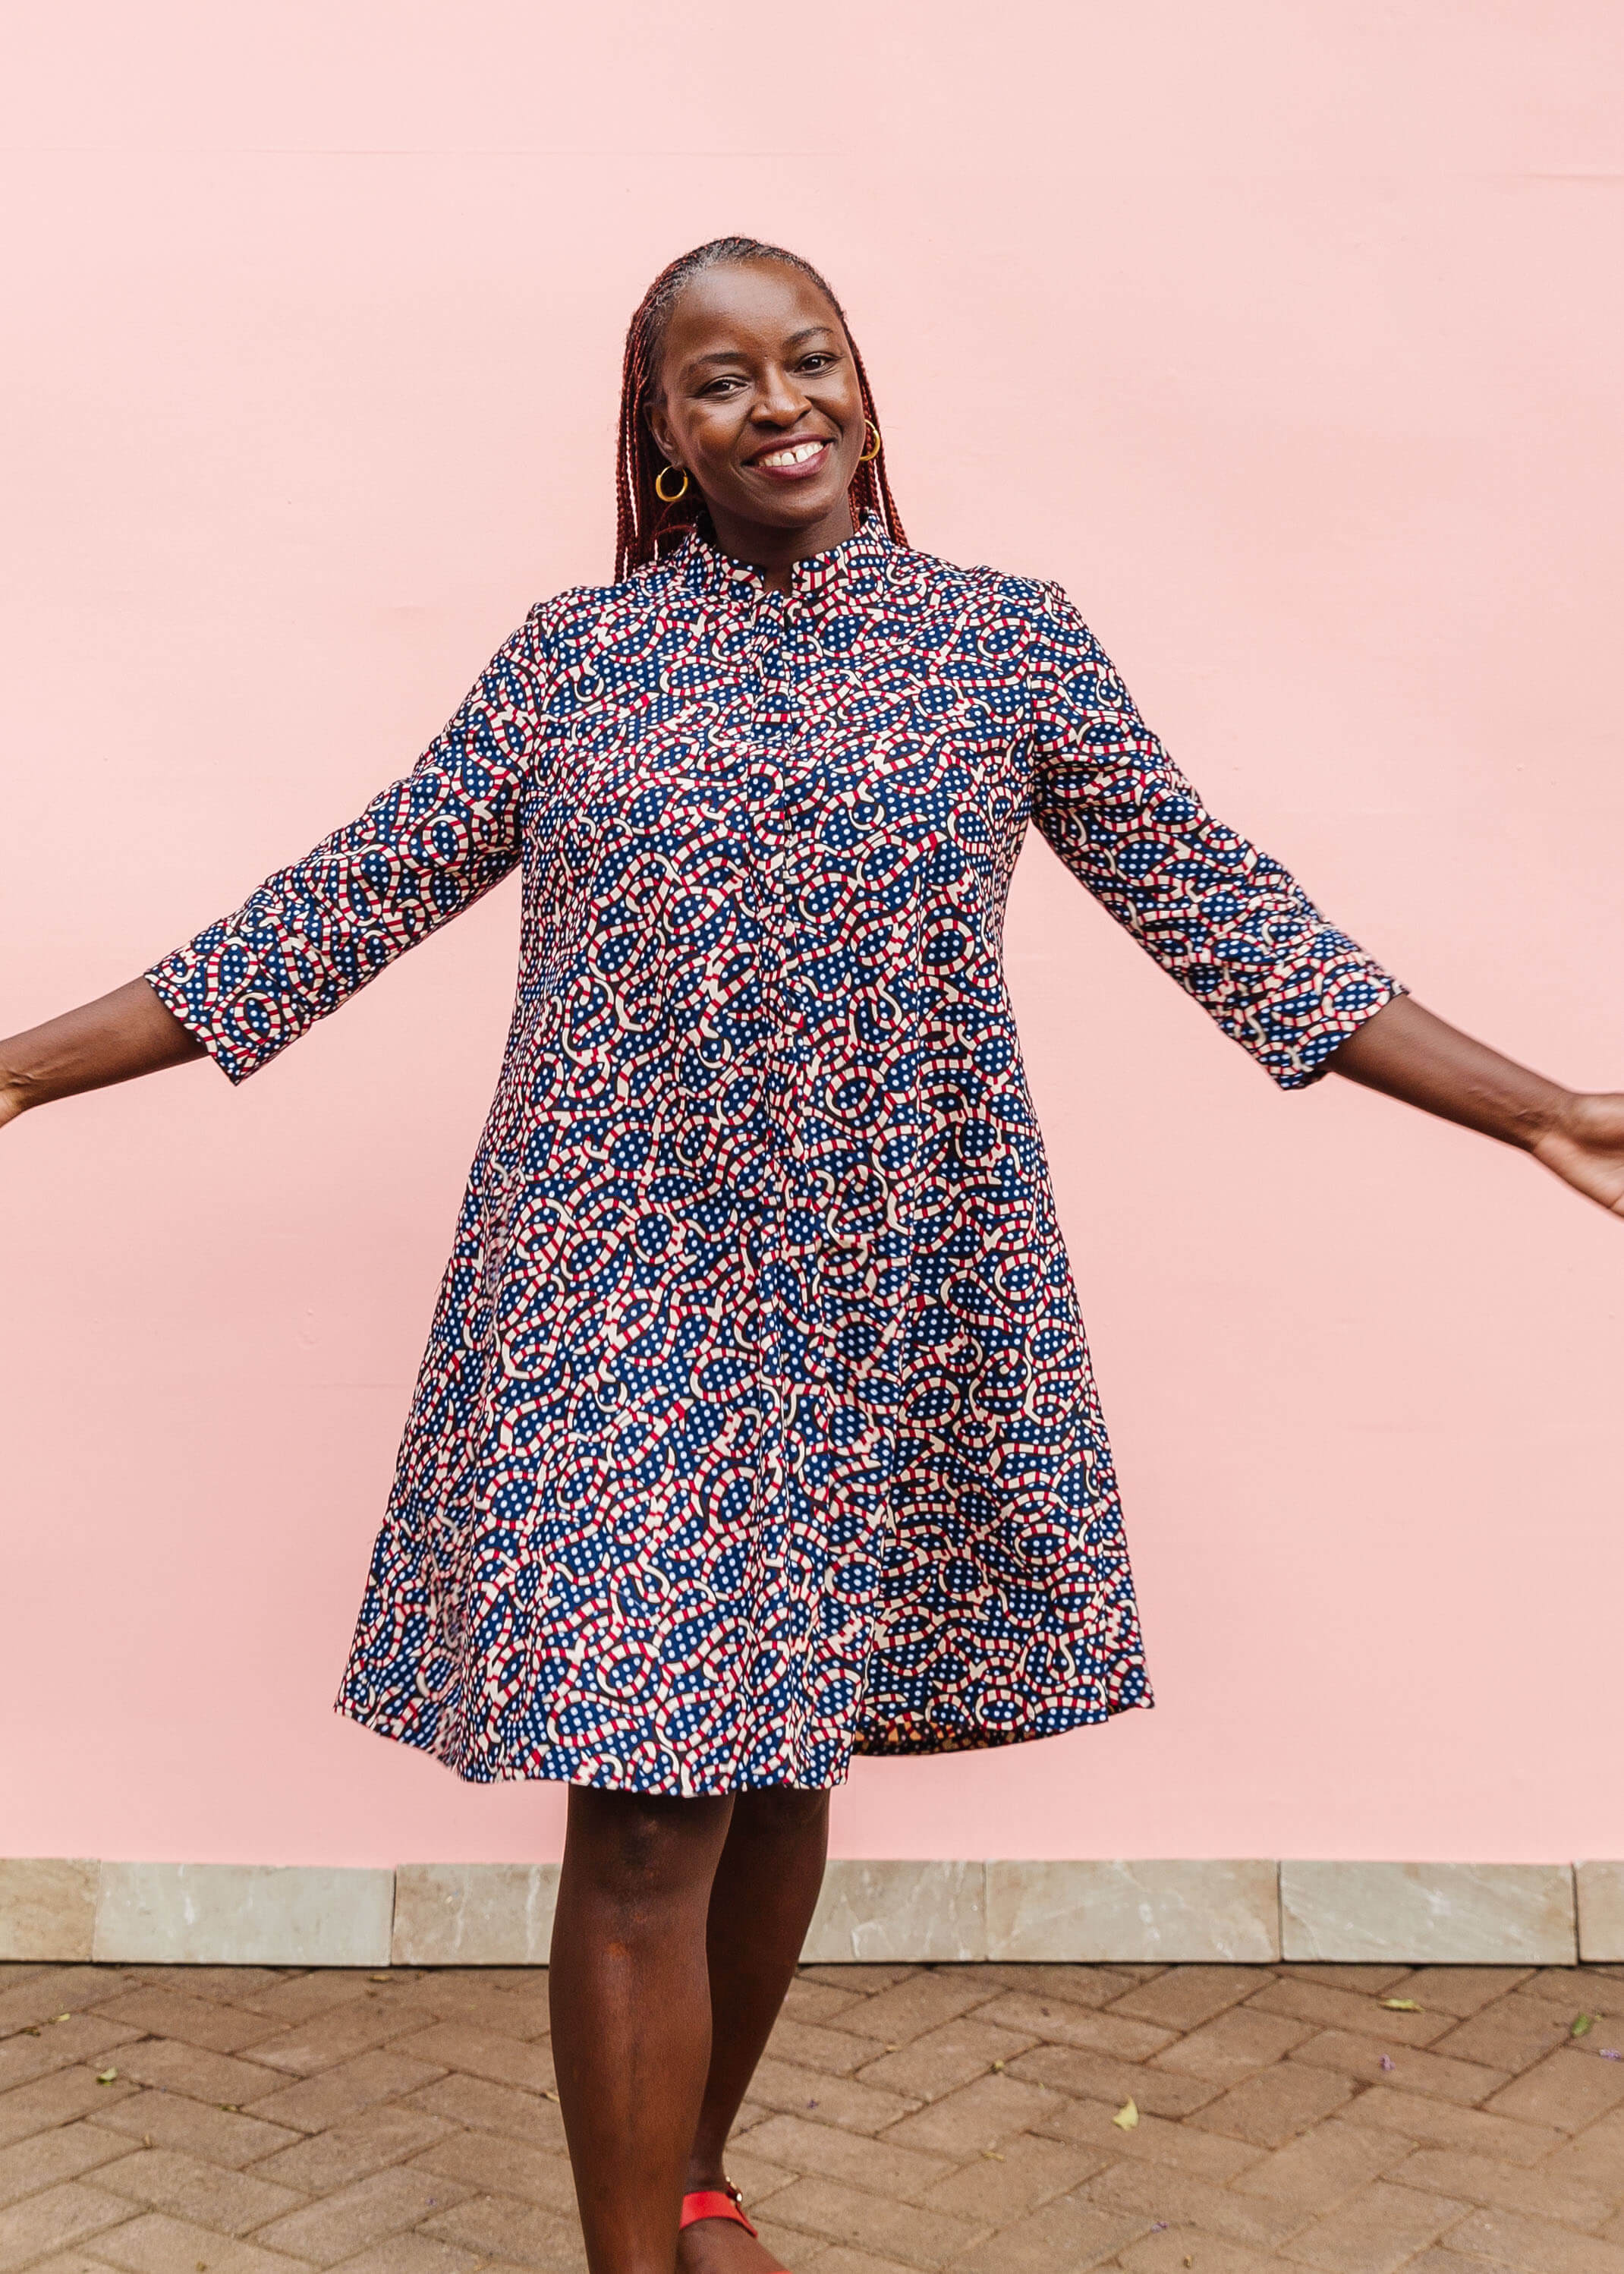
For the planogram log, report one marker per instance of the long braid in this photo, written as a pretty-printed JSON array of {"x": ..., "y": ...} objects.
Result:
[{"x": 645, "y": 524}]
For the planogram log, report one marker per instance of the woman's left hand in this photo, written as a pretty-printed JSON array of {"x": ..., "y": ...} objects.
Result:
[{"x": 1584, "y": 1147}]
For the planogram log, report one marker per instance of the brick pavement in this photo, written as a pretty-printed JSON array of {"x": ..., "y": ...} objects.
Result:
[{"x": 246, "y": 2120}]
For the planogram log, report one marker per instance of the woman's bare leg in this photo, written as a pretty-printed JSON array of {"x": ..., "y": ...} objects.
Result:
[
  {"x": 761, "y": 1903},
  {"x": 630, "y": 1995}
]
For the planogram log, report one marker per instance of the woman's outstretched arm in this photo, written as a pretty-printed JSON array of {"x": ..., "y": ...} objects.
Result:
[
  {"x": 1239, "y": 933},
  {"x": 426, "y": 847},
  {"x": 1409, "y": 1054},
  {"x": 113, "y": 1039}
]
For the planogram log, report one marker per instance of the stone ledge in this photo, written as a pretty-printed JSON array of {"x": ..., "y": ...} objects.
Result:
[
  {"x": 68, "y": 1909},
  {"x": 48, "y": 1907},
  {"x": 1203, "y": 1913},
  {"x": 1429, "y": 1914},
  {"x": 898, "y": 1913},
  {"x": 243, "y": 1915},
  {"x": 474, "y": 1914},
  {"x": 1599, "y": 1889}
]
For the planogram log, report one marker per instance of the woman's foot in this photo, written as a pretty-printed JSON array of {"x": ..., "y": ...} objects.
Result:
[{"x": 721, "y": 2246}]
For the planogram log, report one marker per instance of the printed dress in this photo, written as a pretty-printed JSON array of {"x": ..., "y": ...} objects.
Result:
[{"x": 757, "y": 1425}]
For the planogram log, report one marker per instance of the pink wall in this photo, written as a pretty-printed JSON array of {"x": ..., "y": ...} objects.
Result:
[{"x": 1288, "y": 336}]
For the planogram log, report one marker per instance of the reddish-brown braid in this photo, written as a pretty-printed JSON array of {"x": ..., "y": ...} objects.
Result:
[{"x": 645, "y": 525}]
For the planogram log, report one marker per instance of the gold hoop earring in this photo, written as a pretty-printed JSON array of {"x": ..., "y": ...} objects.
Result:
[
  {"x": 871, "y": 451},
  {"x": 670, "y": 497}
]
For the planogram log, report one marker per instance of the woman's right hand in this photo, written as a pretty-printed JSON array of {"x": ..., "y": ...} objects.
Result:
[
  {"x": 113, "y": 1039},
  {"x": 1584, "y": 1147}
]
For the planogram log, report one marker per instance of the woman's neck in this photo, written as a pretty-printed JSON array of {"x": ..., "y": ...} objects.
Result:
[{"x": 776, "y": 551}]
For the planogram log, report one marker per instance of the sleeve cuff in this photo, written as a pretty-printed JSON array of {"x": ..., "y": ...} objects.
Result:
[
  {"x": 165, "y": 980},
  {"x": 1345, "y": 1010}
]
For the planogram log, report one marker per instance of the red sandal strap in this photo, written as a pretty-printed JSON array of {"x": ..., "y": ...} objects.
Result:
[{"x": 710, "y": 2203}]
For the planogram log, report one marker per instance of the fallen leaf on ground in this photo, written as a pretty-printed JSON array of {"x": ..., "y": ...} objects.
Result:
[
  {"x": 107, "y": 2076},
  {"x": 1583, "y": 2025},
  {"x": 62, "y": 2017},
  {"x": 1402, "y": 2005},
  {"x": 997, "y": 2064},
  {"x": 1127, "y": 2116}
]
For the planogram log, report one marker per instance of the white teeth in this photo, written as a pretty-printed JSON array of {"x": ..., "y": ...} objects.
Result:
[{"x": 795, "y": 457}]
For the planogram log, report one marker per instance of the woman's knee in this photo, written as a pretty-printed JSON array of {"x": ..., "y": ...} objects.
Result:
[{"x": 643, "y": 1845}]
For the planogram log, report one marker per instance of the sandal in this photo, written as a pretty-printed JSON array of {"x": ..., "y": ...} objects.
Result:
[{"x": 713, "y": 2202}]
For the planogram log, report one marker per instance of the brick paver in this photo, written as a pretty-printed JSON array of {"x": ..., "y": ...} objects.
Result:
[{"x": 907, "y": 2120}]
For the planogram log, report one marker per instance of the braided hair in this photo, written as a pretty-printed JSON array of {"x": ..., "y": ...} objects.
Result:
[{"x": 645, "y": 524}]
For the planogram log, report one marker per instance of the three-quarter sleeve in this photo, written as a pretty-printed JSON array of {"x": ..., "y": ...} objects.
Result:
[
  {"x": 1231, "y": 925},
  {"x": 425, "y": 848}
]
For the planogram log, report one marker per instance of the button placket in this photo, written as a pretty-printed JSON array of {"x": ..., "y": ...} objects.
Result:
[{"x": 768, "y": 828}]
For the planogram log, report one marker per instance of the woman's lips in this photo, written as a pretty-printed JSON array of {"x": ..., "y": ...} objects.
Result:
[{"x": 794, "y": 461}]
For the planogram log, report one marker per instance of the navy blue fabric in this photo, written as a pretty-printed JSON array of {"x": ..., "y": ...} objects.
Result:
[{"x": 757, "y": 1425}]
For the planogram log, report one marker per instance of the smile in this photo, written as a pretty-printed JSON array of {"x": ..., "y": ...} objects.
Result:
[{"x": 792, "y": 456}]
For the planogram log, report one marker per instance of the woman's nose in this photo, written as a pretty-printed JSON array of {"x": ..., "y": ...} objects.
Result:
[{"x": 780, "y": 398}]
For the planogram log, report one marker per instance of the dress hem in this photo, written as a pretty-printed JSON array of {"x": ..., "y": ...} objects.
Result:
[{"x": 1058, "y": 1724}]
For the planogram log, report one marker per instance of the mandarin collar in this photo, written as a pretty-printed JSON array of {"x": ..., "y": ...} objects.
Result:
[{"x": 844, "y": 580}]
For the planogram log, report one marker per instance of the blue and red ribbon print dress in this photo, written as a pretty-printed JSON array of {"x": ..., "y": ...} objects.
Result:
[{"x": 757, "y": 1425}]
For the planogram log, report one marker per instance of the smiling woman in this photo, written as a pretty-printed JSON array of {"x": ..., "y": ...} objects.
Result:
[
  {"x": 742, "y": 373},
  {"x": 757, "y": 1427}
]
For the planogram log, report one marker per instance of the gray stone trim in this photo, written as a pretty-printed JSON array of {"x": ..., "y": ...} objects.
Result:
[
  {"x": 1201, "y": 1913},
  {"x": 1599, "y": 1888},
  {"x": 899, "y": 1912},
  {"x": 1177, "y": 1912},
  {"x": 243, "y": 1915},
  {"x": 1436, "y": 1914},
  {"x": 474, "y": 1914}
]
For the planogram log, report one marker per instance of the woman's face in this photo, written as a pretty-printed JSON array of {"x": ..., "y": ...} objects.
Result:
[{"x": 758, "y": 401}]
